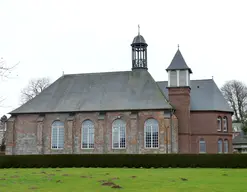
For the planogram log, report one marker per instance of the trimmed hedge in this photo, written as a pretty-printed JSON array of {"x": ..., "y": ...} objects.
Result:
[{"x": 125, "y": 160}]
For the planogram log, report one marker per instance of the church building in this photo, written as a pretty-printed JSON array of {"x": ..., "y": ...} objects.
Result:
[{"x": 124, "y": 112}]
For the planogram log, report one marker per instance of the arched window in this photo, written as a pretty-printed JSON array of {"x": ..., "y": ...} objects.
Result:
[
  {"x": 220, "y": 146},
  {"x": 118, "y": 134},
  {"x": 226, "y": 147},
  {"x": 225, "y": 124},
  {"x": 219, "y": 123},
  {"x": 151, "y": 133},
  {"x": 202, "y": 146},
  {"x": 57, "y": 140},
  {"x": 87, "y": 135}
]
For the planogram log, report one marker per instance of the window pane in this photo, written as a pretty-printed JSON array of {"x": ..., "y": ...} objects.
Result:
[
  {"x": 202, "y": 146},
  {"x": 54, "y": 137},
  {"x": 115, "y": 137},
  {"x": 226, "y": 146},
  {"x": 118, "y": 134},
  {"x": 151, "y": 133},
  {"x": 87, "y": 134},
  {"x": 57, "y": 135},
  {"x": 219, "y": 146},
  {"x": 219, "y": 123}
]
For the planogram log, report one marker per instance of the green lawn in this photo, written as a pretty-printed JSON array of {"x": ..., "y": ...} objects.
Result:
[{"x": 91, "y": 179}]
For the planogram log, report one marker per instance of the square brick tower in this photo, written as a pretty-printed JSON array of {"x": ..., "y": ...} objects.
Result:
[{"x": 179, "y": 97}]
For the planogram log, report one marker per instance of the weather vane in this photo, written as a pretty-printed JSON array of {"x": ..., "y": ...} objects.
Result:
[{"x": 138, "y": 29}]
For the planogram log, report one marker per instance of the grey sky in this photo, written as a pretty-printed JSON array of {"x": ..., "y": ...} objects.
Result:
[{"x": 52, "y": 36}]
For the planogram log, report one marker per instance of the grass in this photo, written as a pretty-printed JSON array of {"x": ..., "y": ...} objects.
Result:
[{"x": 103, "y": 179}]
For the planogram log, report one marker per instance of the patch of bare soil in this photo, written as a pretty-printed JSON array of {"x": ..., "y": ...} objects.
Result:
[
  {"x": 33, "y": 187},
  {"x": 65, "y": 175},
  {"x": 43, "y": 172},
  {"x": 83, "y": 176},
  {"x": 51, "y": 175},
  {"x": 115, "y": 178},
  {"x": 116, "y": 186},
  {"x": 58, "y": 181},
  {"x": 2, "y": 179},
  {"x": 184, "y": 179},
  {"x": 108, "y": 183},
  {"x": 133, "y": 176},
  {"x": 225, "y": 174},
  {"x": 14, "y": 176}
]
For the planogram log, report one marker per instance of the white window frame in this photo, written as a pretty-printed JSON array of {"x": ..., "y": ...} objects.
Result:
[
  {"x": 59, "y": 126},
  {"x": 118, "y": 124},
  {"x": 221, "y": 148},
  {"x": 219, "y": 128},
  {"x": 226, "y": 140},
  {"x": 202, "y": 141},
  {"x": 87, "y": 124},
  {"x": 225, "y": 124},
  {"x": 145, "y": 127}
]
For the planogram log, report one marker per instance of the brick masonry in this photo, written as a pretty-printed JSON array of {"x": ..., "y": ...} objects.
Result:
[
  {"x": 194, "y": 125},
  {"x": 31, "y": 134}
]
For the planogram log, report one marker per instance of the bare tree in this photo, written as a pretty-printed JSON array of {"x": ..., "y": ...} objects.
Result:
[
  {"x": 34, "y": 87},
  {"x": 4, "y": 69},
  {"x": 3, "y": 133},
  {"x": 235, "y": 92}
]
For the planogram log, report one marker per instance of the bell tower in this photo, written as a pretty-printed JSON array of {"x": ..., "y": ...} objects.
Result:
[
  {"x": 179, "y": 97},
  {"x": 139, "y": 52}
]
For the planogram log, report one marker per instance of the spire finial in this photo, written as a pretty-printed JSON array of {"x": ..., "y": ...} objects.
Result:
[
  {"x": 178, "y": 46},
  {"x": 138, "y": 29}
]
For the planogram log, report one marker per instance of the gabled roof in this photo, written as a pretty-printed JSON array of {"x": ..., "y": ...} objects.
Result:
[
  {"x": 178, "y": 63},
  {"x": 204, "y": 96},
  {"x": 124, "y": 90},
  {"x": 240, "y": 139}
]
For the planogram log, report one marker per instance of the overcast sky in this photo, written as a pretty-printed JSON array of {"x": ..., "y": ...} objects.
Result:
[{"x": 48, "y": 37}]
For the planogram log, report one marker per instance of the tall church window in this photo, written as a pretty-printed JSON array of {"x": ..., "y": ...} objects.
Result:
[
  {"x": 202, "y": 146},
  {"x": 118, "y": 134},
  {"x": 87, "y": 135},
  {"x": 226, "y": 146},
  {"x": 225, "y": 124},
  {"x": 219, "y": 123},
  {"x": 57, "y": 140},
  {"x": 151, "y": 133},
  {"x": 220, "y": 146}
]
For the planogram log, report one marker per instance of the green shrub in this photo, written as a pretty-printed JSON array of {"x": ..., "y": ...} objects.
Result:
[{"x": 126, "y": 160}]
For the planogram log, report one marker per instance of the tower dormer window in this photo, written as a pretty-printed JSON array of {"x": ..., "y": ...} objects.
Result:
[{"x": 178, "y": 72}]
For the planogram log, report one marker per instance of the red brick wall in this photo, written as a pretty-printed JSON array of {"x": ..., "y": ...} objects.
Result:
[
  {"x": 204, "y": 125},
  {"x": 180, "y": 99},
  {"x": 34, "y": 132}
]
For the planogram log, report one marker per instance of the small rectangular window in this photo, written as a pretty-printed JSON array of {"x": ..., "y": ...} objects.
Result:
[
  {"x": 219, "y": 124},
  {"x": 224, "y": 124},
  {"x": 173, "y": 78},
  {"x": 182, "y": 78},
  {"x": 202, "y": 146}
]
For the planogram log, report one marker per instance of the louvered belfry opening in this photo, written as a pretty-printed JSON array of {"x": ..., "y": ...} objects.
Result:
[{"x": 139, "y": 53}]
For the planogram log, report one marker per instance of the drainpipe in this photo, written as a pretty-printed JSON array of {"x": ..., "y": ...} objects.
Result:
[{"x": 171, "y": 127}]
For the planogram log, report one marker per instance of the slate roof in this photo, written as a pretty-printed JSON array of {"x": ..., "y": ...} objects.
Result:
[
  {"x": 139, "y": 39},
  {"x": 123, "y": 90},
  {"x": 205, "y": 96},
  {"x": 240, "y": 139},
  {"x": 178, "y": 63}
]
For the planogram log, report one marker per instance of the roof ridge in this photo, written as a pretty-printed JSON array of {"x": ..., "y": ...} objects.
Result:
[{"x": 91, "y": 73}]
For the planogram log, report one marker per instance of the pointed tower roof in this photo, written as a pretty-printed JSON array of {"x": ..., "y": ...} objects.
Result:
[{"x": 178, "y": 63}]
